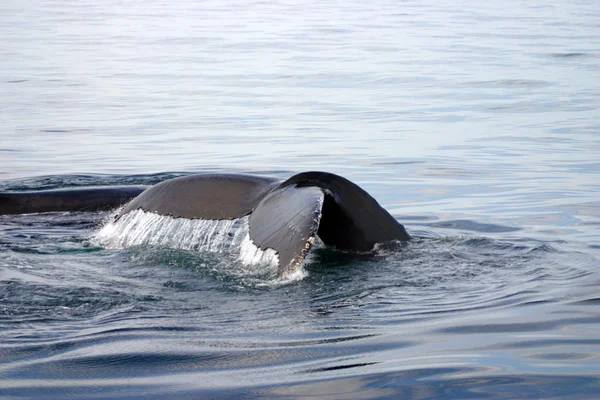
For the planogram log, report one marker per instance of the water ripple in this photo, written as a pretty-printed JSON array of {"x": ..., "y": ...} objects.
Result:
[{"x": 478, "y": 130}]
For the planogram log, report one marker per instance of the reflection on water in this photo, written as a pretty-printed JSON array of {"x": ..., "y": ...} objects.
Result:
[{"x": 476, "y": 125}]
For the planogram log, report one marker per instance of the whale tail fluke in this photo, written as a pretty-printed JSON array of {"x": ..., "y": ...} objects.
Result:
[{"x": 283, "y": 216}]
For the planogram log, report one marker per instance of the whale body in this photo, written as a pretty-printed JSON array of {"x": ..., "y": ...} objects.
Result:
[{"x": 284, "y": 216}]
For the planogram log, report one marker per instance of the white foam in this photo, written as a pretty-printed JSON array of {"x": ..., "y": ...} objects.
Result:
[
  {"x": 138, "y": 228},
  {"x": 144, "y": 228},
  {"x": 297, "y": 274},
  {"x": 250, "y": 254}
]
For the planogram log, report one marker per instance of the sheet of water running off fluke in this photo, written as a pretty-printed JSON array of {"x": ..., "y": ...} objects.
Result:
[{"x": 227, "y": 238}]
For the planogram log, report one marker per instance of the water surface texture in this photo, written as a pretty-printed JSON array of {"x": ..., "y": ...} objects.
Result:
[{"x": 476, "y": 124}]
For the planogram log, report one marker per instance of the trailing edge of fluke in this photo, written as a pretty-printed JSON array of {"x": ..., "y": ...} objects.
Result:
[{"x": 283, "y": 216}]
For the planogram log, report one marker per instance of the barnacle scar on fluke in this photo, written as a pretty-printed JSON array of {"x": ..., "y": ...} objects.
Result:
[{"x": 282, "y": 216}]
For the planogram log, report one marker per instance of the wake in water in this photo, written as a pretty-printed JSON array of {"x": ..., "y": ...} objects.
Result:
[
  {"x": 230, "y": 238},
  {"x": 424, "y": 261}
]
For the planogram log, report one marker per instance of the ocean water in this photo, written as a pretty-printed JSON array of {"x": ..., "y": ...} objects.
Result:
[{"x": 477, "y": 125}]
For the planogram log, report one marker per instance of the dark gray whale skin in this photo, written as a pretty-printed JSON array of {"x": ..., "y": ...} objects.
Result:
[
  {"x": 69, "y": 199},
  {"x": 283, "y": 216},
  {"x": 351, "y": 218}
]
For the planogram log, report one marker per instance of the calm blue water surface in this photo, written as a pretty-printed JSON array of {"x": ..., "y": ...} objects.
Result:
[{"x": 477, "y": 125}]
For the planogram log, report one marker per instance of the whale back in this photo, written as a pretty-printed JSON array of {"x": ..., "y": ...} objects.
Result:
[{"x": 67, "y": 199}]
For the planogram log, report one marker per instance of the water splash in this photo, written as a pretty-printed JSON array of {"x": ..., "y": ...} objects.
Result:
[
  {"x": 143, "y": 228},
  {"x": 250, "y": 254},
  {"x": 229, "y": 237}
]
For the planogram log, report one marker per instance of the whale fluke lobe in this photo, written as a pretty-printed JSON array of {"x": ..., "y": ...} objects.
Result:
[
  {"x": 352, "y": 219},
  {"x": 282, "y": 216},
  {"x": 287, "y": 220},
  {"x": 209, "y": 196}
]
